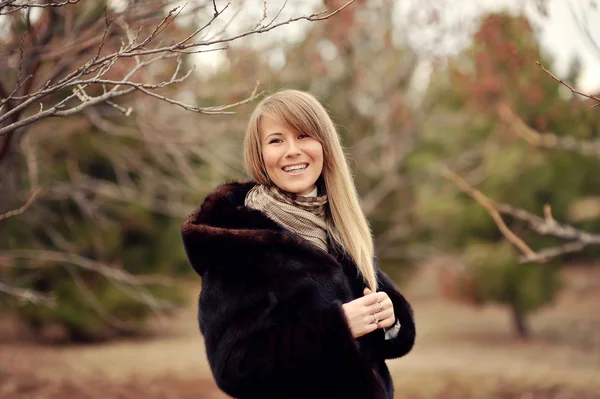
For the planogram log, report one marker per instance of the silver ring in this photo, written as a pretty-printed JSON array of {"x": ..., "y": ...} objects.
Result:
[
  {"x": 375, "y": 319},
  {"x": 380, "y": 306}
]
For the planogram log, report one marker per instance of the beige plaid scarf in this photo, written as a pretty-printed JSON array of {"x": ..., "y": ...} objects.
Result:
[{"x": 302, "y": 215}]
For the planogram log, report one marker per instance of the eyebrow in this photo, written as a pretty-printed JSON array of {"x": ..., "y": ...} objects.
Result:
[{"x": 273, "y": 134}]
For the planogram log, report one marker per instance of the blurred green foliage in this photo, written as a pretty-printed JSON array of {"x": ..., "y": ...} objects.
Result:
[
  {"x": 500, "y": 68},
  {"x": 121, "y": 234}
]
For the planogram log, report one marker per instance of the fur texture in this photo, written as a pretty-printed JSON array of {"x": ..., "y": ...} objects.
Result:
[{"x": 270, "y": 308}]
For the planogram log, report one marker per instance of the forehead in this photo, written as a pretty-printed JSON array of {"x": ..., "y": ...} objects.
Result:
[{"x": 269, "y": 125}]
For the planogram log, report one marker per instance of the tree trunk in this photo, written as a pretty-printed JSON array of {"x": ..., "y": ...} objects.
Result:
[{"x": 520, "y": 325}]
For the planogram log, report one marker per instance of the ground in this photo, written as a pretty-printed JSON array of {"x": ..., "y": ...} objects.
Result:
[{"x": 461, "y": 352}]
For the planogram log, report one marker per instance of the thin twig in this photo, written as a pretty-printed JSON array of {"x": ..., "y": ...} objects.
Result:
[
  {"x": 16, "y": 89},
  {"x": 546, "y": 254},
  {"x": 23, "y": 208},
  {"x": 549, "y": 226},
  {"x": 276, "y": 15},
  {"x": 264, "y": 17},
  {"x": 32, "y": 164},
  {"x": 30, "y": 5},
  {"x": 108, "y": 22},
  {"x": 318, "y": 16},
  {"x": 88, "y": 295},
  {"x": 109, "y": 272},
  {"x": 548, "y": 140},
  {"x": 568, "y": 86},
  {"x": 27, "y": 296},
  {"x": 216, "y": 110}
]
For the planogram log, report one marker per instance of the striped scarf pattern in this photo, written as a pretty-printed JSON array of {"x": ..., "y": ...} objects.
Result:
[{"x": 304, "y": 216}]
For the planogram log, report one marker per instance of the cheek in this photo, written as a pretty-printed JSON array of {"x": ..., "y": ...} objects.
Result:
[
  {"x": 270, "y": 158},
  {"x": 317, "y": 153}
]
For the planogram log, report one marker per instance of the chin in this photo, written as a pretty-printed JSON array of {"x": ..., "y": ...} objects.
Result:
[{"x": 297, "y": 189}]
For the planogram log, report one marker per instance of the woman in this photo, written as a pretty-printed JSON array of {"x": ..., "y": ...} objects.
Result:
[{"x": 292, "y": 304}]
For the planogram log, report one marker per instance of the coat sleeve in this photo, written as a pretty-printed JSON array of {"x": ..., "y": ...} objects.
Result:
[
  {"x": 254, "y": 352},
  {"x": 404, "y": 341}
]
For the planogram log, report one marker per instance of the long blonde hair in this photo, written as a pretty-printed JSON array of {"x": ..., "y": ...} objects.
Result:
[{"x": 302, "y": 112}]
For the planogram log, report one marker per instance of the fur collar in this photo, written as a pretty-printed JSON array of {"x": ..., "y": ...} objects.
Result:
[{"x": 223, "y": 226}]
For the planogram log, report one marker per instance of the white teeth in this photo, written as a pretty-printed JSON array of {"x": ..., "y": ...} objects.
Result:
[{"x": 295, "y": 168}]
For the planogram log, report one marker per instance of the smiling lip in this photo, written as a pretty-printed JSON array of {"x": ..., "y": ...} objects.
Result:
[{"x": 297, "y": 170}]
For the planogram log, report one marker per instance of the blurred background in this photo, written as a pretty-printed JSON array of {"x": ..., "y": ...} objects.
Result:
[{"x": 478, "y": 168}]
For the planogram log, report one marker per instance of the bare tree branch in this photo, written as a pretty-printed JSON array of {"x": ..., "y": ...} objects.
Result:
[
  {"x": 158, "y": 307},
  {"x": 88, "y": 296},
  {"x": 547, "y": 254},
  {"x": 12, "y": 7},
  {"x": 546, "y": 226},
  {"x": 548, "y": 140},
  {"x": 27, "y": 296},
  {"x": 274, "y": 18},
  {"x": 126, "y": 194},
  {"x": 23, "y": 208},
  {"x": 318, "y": 16},
  {"x": 568, "y": 86},
  {"x": 216, "y": 110},
  {"x": 109, "y": 272},
  {"x": 133, "y": 49},
  {"x": 54, "y": 111},
  {"x": 489, "y": 206}
]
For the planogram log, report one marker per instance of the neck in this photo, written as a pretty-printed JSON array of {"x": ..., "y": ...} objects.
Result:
[{"x": 312, "y": 193}]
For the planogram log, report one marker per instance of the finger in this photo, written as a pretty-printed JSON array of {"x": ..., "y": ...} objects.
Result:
[
  {"x": 386, "y": 314},
  {"x": 377, "y": 317},
  {"x": 376, "y": 308},
  {"x": 368, "y": 299},
  {"x": 384, "y": 299},
  {"x": 383, "y": 302},
  {"x": 367, "y": 325},
  {"x": 382, "y": 296},
  {"x": 386, "y": 323},
  {"x": 371, "y": 320},
  {"x": 388, "y": 305},
  {"x": 367, "y": 291}
]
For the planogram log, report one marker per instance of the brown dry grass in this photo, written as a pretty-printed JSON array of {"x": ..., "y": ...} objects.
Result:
[{"x": 461, "y": 352}]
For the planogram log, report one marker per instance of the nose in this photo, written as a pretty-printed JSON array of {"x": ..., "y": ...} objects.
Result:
[{"x": 292, "y": 150}]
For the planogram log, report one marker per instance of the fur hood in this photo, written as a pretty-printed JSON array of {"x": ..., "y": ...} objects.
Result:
[
  {"x": 270, "y": 308},
  {"x": 222, "y": 226}
]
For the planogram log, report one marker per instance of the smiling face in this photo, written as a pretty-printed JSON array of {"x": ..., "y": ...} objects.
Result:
[{"x": 292, "y": 159}]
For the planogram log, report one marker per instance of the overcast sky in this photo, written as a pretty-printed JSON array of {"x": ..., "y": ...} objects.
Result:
[
  {"x": 561, "y": 35},
  {"x": 558, "y": 31}
]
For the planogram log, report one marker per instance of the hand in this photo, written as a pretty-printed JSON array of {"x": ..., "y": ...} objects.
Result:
[
  {"x": 385, "y": 314},
  {"x": 359, "y": 314}
]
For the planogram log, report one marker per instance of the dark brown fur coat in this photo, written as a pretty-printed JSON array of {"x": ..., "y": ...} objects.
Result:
[{"x": 270, "y": 308}]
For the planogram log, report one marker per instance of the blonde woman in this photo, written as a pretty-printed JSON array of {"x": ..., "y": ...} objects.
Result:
[{"x": 292, "y": 304}]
